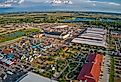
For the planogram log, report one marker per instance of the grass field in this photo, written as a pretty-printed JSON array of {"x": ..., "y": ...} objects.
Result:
[{"x": 17, "y": 34}]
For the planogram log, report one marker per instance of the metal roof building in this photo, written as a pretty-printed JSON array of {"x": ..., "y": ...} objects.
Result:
[
  {"x": 61, "y": 27},
  {"x": 57, "y": 35},
  {"x": 32, "y": 77},
  {"x": 90, "y": 71},
  {"x": 92, "y": 36}
]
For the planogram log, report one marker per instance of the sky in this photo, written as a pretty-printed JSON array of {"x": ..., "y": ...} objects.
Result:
[
  {"x": 100, "y": 5},
  {"x": 91, "y": 3},
  {"x": 87, "y": 2}
]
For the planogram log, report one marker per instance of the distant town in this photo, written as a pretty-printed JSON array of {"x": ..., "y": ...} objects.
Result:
[{"x": 60, "y": 47}]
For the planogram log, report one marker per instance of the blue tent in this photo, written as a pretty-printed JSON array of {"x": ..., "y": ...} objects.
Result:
[{"x": 10, "y": 56}]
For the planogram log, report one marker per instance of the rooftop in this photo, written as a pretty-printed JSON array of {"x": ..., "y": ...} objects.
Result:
[
  {"x": 92, "y": 36},
  {"x": 32, "y": 77},
  {"x": 91, "y": 71},
  {"x": 60, "y": 27},
  {"x": 53, "y": 33},
  {"x": 89, "y": 42}
]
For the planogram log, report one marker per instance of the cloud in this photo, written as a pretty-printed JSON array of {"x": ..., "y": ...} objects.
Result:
[
  {"x": 94, "y": 2},
  {"x": 87, "y": 1},
  {"x": 38, "y": 0},
  {"x": 21, "y": 1},
  {"x": 111, "y": 3}
]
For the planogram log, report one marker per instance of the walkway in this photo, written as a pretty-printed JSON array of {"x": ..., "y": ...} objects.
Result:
[{"x": 105, "y": 69}]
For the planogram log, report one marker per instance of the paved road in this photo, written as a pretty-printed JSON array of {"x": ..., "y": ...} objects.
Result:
[
  {"x": 72, "y": 71},
  {"x": 61, "y": 72},
  {"x": 105, "y": 77}
]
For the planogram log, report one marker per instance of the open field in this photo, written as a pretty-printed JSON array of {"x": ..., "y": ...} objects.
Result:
[
  {"x": 17, "y": 34},
  {"x": 42, "y": 43}
]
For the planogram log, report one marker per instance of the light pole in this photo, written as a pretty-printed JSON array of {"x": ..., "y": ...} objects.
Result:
[{"x": 53, "y": 69}]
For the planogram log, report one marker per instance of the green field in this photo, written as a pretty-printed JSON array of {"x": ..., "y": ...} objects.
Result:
[
  {"x": 112, "y": 71},
  {"x": 17, "y": 34}
]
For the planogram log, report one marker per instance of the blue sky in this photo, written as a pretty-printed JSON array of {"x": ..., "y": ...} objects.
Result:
[
  {"x": 74, "y": 1},
  {"x": 90, "y": 2},
  {"x": 84, "y": 5},
  {"x": 113, "y": 3}
]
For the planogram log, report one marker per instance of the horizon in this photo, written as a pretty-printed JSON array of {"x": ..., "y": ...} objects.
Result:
[{"x": 60, "y": 40}]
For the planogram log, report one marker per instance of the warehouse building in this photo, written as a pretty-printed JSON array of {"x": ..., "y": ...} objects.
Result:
[
  {"x": 57, "y": 35},
  {"x": 32, "y": 77},
  {"x": 92, "y": 36},
  {"x": 91, "y": 70}
]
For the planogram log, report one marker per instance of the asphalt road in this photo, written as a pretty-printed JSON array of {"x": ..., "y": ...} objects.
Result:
[{"x": 105, "y": 77}]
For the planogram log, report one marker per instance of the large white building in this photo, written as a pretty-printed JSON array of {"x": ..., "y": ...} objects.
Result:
[
  {"x": 57, "y": 35},
  {"x": 32, "y": 77},
  {"x": 92, "y": 36},
  {"x": 60, "y": 27}
]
